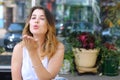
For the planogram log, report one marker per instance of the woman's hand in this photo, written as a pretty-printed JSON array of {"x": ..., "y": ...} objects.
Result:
[{"x": 30, "y": 43}]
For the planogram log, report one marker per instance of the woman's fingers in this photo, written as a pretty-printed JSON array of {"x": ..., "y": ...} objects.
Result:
[
  {"x": 30, "y": 42},
  {"x": 29, "y": 38}
]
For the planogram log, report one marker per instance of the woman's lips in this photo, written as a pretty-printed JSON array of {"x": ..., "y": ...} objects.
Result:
[{"x": 35, "y": 27}]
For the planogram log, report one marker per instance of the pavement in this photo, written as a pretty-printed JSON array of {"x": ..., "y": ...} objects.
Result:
[
  {"x": 89, "y": 76},
  {"x": 7, "y": 76}
]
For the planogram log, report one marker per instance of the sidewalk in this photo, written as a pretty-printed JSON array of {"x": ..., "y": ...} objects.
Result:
[{"x": 87, "y": 76}]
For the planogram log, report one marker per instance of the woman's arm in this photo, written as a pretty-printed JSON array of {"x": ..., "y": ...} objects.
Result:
[
  {"x": 16, "y": 62},
  {"x": 56, "y": 61},
  {"x": 54, "y": 64}
]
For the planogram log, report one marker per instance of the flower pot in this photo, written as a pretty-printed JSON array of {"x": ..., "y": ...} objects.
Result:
[
  {"x": 85, "y": 58},
  {"x": 66, "y": 67},
  {"x": 110, "y": 66}
]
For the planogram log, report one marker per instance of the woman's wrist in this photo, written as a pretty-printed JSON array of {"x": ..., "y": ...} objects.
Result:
[{"x": 36, "y": 66}]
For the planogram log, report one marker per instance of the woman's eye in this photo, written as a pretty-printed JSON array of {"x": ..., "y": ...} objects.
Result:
[
  {"x": 42, "y": 18},
  {"x": 33, "y": 18}
]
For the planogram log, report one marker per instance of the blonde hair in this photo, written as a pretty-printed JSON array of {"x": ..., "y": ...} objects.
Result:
[{"x": 51, "y": 42}]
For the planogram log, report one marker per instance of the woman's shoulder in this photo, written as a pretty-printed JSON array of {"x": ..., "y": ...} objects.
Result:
[
  {"x": 17, "y": 55},
  {"x": 60, "y": 45},
  {"x": 18, "y": 46}
]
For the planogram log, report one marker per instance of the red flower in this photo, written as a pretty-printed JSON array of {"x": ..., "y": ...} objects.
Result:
[
  {"x": 83, "y": 37},
  {"x": 110, "y": 46},
  {"x": 91, "y": 45},
  {"x": 87, "y": 40}
]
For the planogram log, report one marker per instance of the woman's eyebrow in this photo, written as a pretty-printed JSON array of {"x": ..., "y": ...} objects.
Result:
[
  {"x": 33, "y": 15},
  {"x": 40, "y": 15}
]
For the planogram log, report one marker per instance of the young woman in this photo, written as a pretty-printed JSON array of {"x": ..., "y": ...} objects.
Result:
[{"x": 39, "y": 55}]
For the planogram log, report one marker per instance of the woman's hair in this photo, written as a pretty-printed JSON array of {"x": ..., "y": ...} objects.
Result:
[{"x": 50, "y": 44}]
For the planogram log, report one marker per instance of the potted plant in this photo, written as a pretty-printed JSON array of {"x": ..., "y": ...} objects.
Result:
[
  {"x": 85, "y": 46},
  {"x": 110, "y": 51},
  {"x": 110, "y": 59}
]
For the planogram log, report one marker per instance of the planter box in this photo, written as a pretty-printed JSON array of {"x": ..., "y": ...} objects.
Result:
[{"x": 111, "y": 66}]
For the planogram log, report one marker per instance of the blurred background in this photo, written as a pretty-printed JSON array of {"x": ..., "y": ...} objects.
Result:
[{"x": 101, "y": 16}]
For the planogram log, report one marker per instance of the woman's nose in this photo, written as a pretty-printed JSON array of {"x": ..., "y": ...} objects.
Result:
[{"x": 37, "y": 21}]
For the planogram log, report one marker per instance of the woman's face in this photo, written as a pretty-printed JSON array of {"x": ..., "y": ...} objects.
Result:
[{"x": 38, "y": 22}]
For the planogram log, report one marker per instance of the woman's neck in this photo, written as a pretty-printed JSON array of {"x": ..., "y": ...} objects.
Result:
[{"x": 40, "y": 39}]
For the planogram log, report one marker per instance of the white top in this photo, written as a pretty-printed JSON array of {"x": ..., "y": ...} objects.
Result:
[{"x": 28, "y": 72}]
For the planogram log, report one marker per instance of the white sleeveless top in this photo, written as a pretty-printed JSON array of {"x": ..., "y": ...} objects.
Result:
[{"x": 27, "y": 71}]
